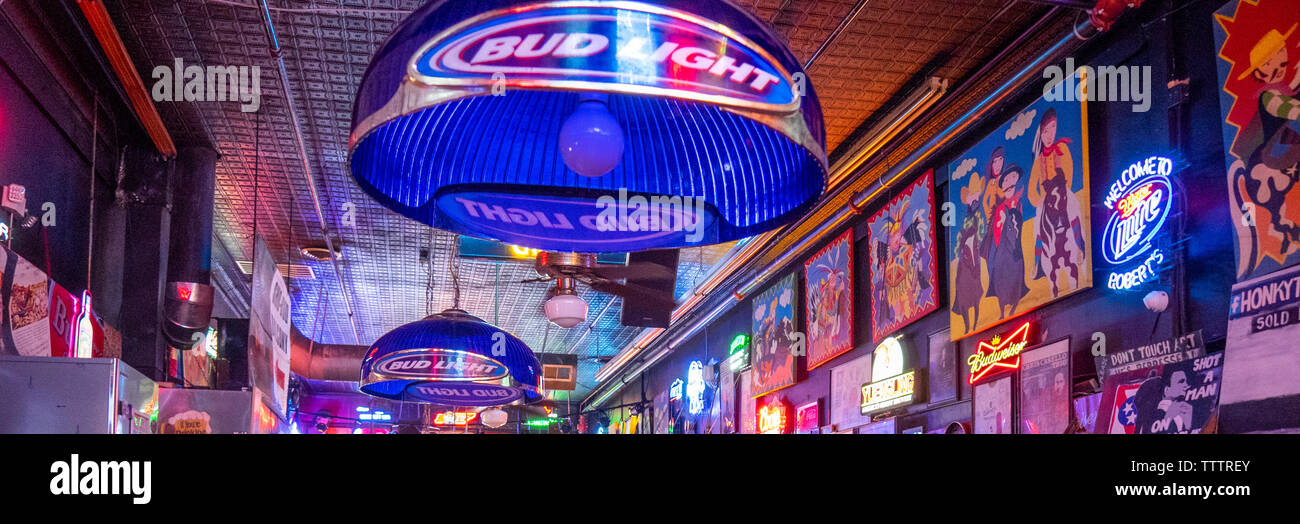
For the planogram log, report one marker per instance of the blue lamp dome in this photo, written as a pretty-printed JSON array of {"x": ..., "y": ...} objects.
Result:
[
  {"x": 589, "y": 125},
  {"x": 452, "y": 358}
]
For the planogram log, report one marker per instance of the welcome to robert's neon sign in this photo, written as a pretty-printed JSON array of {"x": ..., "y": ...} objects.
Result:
[
  {"x": 1140, "y": 201},
  {"x": 1001, "y": 354}
]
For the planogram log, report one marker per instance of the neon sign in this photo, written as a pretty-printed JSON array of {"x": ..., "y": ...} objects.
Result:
[
  {"x": 772, "y": 418},
  {"x": 675, "y": 390},
  {"x": 805, "y": 418},
  {"x": 738, "y": 354},
  {"x": 887, "y": 393},
  {"x": 695, "y": 387},
  {"x": 1000, "y": 354},
  {"x": 887, "y": 359},
  {"x": 455, "y": 418},
  {"x": 4, "y": 232},
  {"x": 1139, "y": 202},
  {"x": 84, "y": 331}
]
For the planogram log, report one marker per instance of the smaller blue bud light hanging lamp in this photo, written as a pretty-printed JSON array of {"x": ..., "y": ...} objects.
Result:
[
  {"x": 589, "y": 125},
  {"x": 453, "y": 359}
]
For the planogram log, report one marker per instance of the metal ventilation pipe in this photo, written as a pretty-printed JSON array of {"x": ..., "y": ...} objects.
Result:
[
  {"x": 324, "y": 361},
  {"x": 187, "y": 307}
]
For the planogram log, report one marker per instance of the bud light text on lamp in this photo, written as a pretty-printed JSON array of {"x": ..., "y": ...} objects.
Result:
[
  {"x": 999, "y": 354},
  {"x": 1139, "y": 201},
  {"x": 511, "y": 120}
]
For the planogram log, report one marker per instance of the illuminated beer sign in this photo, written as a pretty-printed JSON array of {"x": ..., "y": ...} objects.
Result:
[
  {"x": 1002, "y": 354},
  {"x": 897, "y": 390},
  {"x": 695, "y": 387},
  {"x": 455, "y": 418},
  {"x": 675, "y": 390},
  {"x": 738, "y": 354},
  {"x": 772, "y": 418},
  {"x": 1139, "y": 203}
]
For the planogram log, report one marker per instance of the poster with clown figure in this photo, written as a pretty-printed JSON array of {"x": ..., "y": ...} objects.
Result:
[
  {"x": 776, "y": 338},
  {"x": 828, "y": 285},
  {"x": 904, "y": 270},
  {"x": 1259, "y": 97},
  {"x": 1021, "y": 233}
]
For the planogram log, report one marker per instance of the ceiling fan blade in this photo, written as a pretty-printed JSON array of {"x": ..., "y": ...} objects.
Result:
[
  {"x": 639, "y": 271},
  {"x": 634, "y": 292}
]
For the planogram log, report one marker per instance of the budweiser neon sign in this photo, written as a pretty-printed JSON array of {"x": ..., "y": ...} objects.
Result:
[
  {"x": 998, "y": 355},
  {"x": 772, "y": 418}
]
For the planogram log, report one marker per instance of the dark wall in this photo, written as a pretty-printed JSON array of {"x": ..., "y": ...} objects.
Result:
[{"x": 1119, "y": 137}]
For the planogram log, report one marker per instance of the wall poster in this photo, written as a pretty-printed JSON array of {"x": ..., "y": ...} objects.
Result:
[
  {"x": 1260, "y": 380},
  {"x": 992, "y": 405},
  {"x": 1171, "y": 398},
  {"x": 904, "y": 265},
  {"x": 1022, "y": 234},
  {"x": 748, "y": 405},
  {"x": 943, "y": 368},
  {"x": 26, "y": 294},
  {"x": 1258, "y": 49},
  {"x": 846, "y": 393},
  {"x": 775, "y": 335},
  {"x": 1045, "y": 389},
  {"x": 828, "y": 290}
]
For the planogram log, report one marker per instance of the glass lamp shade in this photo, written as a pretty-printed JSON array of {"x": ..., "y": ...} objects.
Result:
[
  {"x": 452, "y": 358},
  {"x": 481, "y": 118}
]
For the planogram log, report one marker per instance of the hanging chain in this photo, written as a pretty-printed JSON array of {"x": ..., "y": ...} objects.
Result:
[{"x": 428, "y": 284}]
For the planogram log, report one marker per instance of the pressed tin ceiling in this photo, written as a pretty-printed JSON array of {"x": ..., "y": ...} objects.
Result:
[{"x": 882, "y": 49}]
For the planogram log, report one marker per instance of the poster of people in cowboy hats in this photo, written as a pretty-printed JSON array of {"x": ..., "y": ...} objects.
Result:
[
  {"x": 828, "y": 291},
  {"x": 904, "y": 270},
  {"x": 777, "y": 339},
  {"x": 1020, "y": 236},
  {"x": 1259, "y": 76}
]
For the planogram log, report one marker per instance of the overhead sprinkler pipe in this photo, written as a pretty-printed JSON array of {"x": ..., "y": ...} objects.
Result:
[{"x": 306, "y": 166}]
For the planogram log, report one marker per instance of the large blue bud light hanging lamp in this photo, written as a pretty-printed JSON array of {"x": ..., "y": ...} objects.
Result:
[
  {"x": 589, "y": 125},
  {"x": 454, "y": 359}
]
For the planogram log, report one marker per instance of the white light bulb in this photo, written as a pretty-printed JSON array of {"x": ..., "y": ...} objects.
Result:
[{"x": 591, "y": 139}]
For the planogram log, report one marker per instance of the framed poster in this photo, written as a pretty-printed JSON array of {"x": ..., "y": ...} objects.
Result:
[
  {"x": 1085, "y": 410},
  {"x": 904, "y": 269},
  {"x": 1263, "y": 327},
  {"x": 1258, "y": 47},
  {"x": 1022, "y": 217},
  {"x": 775, "y": 335},
  {"x": 1045, "y": 389},
  {"x": 806, "y": 418},
  {"x": 748, "y": 405},
  {"x": 992, "y": 407},
  {"x": 943, "y": 368},
  {"x": 727, "y": 398},
  {"x": 846, "y": 393},
  {"x": 1172, "y": 398},
  {"x": 828, "y": 290}
]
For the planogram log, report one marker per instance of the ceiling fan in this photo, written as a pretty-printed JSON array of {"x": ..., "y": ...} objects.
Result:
[{"x": 645, "y": 283}]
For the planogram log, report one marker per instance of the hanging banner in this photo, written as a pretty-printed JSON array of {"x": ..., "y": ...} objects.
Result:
[
  {"x": 904, "y": 263},
  {"x": 1045, "y": 389},
  {"x": 1260, "y": 385},
  {"x": 776, "y": 337},
  {"x": 268, "y": 331},
  {"x": 828, "y": 285},
  {"x": 1258, "y": 47},
  {"x": 1172, "y": 398},
  {"x": 1022, "y": 210}
]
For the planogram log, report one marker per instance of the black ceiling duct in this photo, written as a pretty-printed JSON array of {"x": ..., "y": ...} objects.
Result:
[{"x": 188, "y": 294}]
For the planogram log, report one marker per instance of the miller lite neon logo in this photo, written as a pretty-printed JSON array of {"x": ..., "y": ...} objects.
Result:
[
  {"x": 1139, "y": 202},
  {"x": 626, "y": 47},
  {"x": 998, "y": 355},
  {"x": 441, "y": 365}
]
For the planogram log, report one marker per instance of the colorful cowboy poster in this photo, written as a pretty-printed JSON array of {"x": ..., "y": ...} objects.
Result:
[
  {"x": 828, "y": 285},
  {"x": 1259, "y": 99},
  {"x": 776, "y": 338},
  {"x": 904, "y": 266},
  {"x": 1021, "y": 225}
]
